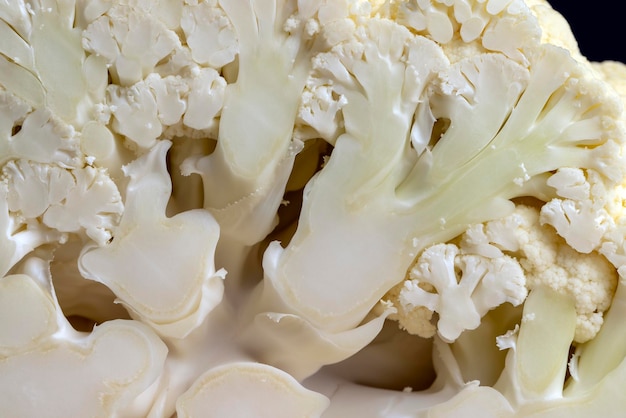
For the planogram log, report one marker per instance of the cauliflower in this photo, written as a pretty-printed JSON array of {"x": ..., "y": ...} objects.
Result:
[
  {"x": 588, "y": 279},
  {"x": 80, "y": 200},
  {"x": 460, "y": 302},
  {"x": 189, "y": 287},
  {"x": 253, "y": 381},
  {"x": 317, "y": 208},
  {"x": 130, "y": 41},
  {"x": 107, "y": 368},
  {"x": 504, "y": 257}
]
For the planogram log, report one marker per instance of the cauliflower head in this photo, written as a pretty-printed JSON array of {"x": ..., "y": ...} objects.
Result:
[{"x": 317, "y": 208}]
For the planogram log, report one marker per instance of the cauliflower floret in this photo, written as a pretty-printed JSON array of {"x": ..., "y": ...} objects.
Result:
[
  {"x": 135, "y": 113},
  {"x": 579, "y": 213},
  {"x": 614, "y": 73},
  {"x": 506, "y": 257},
  {"x": 205, "y": 98},
  {"x": 320, "y": 109},
  {"x": 461, "y": 288},
  {"x": 35, "y": 134},
  {"x": 131, "y": 40},
  {"x": 465, "y": 28},
  {"x": 554, "y": 27},
  {"x": 77, "y": 200},
  {"x": 144, "y": 111},
  {"x": 169, "y": 93},
  {"x": 206, "y": 20},
  {"x": 589, "y": 279},
  {"x": 416, "y": 320}
]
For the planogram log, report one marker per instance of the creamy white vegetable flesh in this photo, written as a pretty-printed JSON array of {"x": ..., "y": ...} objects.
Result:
[{"x": 308, "y": 208}]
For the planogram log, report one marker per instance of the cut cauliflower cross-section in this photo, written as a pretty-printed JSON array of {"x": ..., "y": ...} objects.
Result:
[
  {"x": 106, "y": 369},
  {"x": 250, "y": 166},
  {"x": 464, "y": 27},
  {"x": 173, "y": 296},
  {"x": 258, "y": 385},
  {"x": 35, "y": 135},
  {"x": 42, "y": 61},
  {"x": 391, "y": 194},
  {"x": 68, "y": 200},
  {"x": 455, "y": 165},
  {"x": 536, "y": 257},
  {"x": 382, "y": 80},
  {"x": 579, "y": 214},
  {"x": 588, "y": 279},
  {"x": 466, "y": 287},
  {"x": 204, "y": 21},
  {"x": 130, "y": 39}
]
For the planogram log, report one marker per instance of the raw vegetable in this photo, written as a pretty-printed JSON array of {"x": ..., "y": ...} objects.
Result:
[{"x": 316, "y": 208}]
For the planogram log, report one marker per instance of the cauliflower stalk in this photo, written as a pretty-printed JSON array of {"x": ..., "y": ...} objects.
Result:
[
  {"x": 317, "y": 208},
  {"x": 189, "y": 287},
  {"x": 107, "y": 368}
]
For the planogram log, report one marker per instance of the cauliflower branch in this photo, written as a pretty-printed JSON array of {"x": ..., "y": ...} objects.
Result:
[
  {"x": 401, "y": 201},
  {"x": 257, "y": 384},
  {"x": 382, "y": 85},
  {"x": 250, "y": 166},
  {"x": 188, "y": 285},
  {"x": 42, "y": 61},
  {"x": 106, "y": 369}
]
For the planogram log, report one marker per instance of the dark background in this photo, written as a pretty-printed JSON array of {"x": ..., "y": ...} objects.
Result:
[{"x": 599, "y": 27}]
